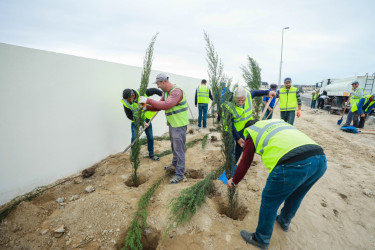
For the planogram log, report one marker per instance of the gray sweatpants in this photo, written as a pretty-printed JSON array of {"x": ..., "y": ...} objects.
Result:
[{"x": 178, "y": 139}]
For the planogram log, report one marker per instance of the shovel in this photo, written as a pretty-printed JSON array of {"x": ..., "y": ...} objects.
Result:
[
  {"x": 273, "y": 108},
  {"x": 355, "y": 130},
  {"x": 140, "y": 133},
  {"x": 340, "y": 120},
  {"x": 266, "y": 107}
]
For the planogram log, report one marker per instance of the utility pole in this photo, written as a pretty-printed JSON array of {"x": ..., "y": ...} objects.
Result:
[{"x": 281, "y": 60}]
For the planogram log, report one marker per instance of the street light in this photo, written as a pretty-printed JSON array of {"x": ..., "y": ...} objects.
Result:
[{"x": 281, "y": 60}]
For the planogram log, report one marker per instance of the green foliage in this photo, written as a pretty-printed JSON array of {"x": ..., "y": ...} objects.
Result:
[
  {"x": 138, "y": 224},
  {"x": 143, "y": 141},
  {"x": 204, "y": 141},
  {"x": 164, "y": 153},
  {"x": 215, "y": 70},
  {"x": 227, "y": 149},
  {"x": 252, "y": 77},
  {"x": 16, "y": 201},
  {"x": 187, "y": 146},
  {"x": 185, "y": 205},
  {"x": 138, "y": 114}
]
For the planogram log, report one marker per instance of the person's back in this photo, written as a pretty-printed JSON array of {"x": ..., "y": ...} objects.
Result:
[
  {"x": 202, "y": 98},
  {"x": 296, "y": 163}
]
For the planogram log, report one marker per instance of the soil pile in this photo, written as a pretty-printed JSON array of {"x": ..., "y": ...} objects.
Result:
[{"x": 95, "y": 212}]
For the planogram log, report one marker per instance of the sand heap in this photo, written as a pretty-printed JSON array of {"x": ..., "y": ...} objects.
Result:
[{"x": 95, "y": 212}]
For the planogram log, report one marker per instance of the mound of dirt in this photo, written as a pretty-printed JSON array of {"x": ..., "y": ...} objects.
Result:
[{"x": 338, "y": 211}]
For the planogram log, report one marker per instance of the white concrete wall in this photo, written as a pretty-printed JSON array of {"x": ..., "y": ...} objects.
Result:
[{"x": 61, "y": 114}]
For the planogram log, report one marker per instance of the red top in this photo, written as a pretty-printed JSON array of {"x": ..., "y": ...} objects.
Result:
[
  {"x": 245, "y": 162},
  {"x": 173, "y": 99}
]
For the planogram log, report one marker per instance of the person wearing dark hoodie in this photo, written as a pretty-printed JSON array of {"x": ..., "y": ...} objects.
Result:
[{"x": 130, "y": 99}]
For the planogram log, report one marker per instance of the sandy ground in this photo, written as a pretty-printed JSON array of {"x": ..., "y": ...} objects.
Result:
[{"x": 338, "y": 213}]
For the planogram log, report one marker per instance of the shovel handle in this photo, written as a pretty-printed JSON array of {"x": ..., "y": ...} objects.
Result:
[
  {"x": 277, "y": 102},
  {"x": 266, "y": 107},
  {"x": 140, "y": 133},
  {"x": 345, "y": 106}
]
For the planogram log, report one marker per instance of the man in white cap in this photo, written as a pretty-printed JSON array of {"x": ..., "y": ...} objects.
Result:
[
  {"x": 355, "y": 95},
  {"x": 173, "y": 101}
]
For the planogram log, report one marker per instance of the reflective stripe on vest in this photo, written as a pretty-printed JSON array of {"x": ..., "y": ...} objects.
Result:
[
  {"x": 203, "y": 94},
  {"x": 367, "y": 99},
  {"x": 288, "y": 99},
  {"x": 134, "y": 106},
  {"x": 242, "y": 115},
  {"x": 356, "y": 96},
  {"x": 178, "y": 115},
  {"x": 275, "y": 138}
]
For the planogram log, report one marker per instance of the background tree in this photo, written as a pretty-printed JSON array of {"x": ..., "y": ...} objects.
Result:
[
  {"x": 251, "y": 75},
  {"x": 215, "y": 72}
]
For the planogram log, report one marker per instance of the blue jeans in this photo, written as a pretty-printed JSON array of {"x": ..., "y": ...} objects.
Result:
[
  {"x": 288, "y": 183},
  {"x": 149, "y": 135},
  {"x": 288, "y": 116},
  {"x": 202, "y": 109},
  {"x": 349, "y": 118},
  {"x": 313, "y": 102}
]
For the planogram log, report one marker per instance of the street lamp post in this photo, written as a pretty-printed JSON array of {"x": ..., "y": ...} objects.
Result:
[{"x": 281, "y": 60}]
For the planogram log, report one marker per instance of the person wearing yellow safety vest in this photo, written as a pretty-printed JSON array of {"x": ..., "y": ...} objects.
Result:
[
  {"x": 289, "y": 100},
  {"x": 355, "y": 95},
  {"x": 242, "y": 113},
  {"x": 175, "y": 105},
  {"x": 295, "y": 164},
  {"x": 362, "y": 110},
  {"x": 130, "y": 98},
  {"x": 314, "y": 98},
  {"x": 202, "y": 98}
]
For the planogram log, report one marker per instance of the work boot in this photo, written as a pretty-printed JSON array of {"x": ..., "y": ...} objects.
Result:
[
  {"x": 284, "y": 226},
  {"x": 250, "y": 238},
  {"x": 176, "y": 179},
  {"x": 154, "y": 158},
  {"x": 170, "y": 169}
]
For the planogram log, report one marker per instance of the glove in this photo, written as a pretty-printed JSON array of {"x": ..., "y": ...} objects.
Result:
[
  {"x": 299, "y": 112},
  {"x": 143, "y": 99}
]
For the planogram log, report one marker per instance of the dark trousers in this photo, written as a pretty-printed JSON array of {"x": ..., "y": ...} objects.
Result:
[
  {"x": 202, "y": 110},
  {"x": 313, "y": 102},
  {"x": 149, "y": 135},
  {"x": 178, "y": 140},
  {"x": 356, "y": 118},
  {"x": 321, "y": 103},
  {"x": 288, "y": 116}
]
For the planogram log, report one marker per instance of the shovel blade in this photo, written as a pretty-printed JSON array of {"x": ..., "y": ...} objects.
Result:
[{"x": 339, "y": 121}]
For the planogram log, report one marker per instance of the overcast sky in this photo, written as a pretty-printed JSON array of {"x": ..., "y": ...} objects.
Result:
[{"x": 326, "y": 39}]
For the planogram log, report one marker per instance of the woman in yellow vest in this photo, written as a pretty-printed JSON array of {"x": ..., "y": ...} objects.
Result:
[
  {"x": 130, "y": 98},
  {"x": 295, "y": 164},
  {"x": 202, "y": 98},
  {"x": 289, "y": 100},
  {"x": 174, "y": 103}
]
